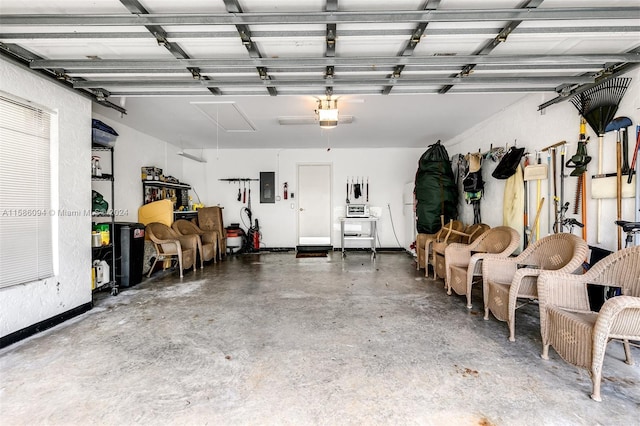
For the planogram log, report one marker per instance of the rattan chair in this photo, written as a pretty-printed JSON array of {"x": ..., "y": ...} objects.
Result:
[
  {"x": 463, "y": 262},
  {"x": 450, "y": 234},
  {"x": 580, "y": 336},
  {"x": 509, "y": 279},
  {"x": 423, "y": 242},
  {"x": 210, "y": 219},
  {"x": 169, "y": 245},
  {"x": 466, "y": 235},
  {"x": 207, "y": 240}
]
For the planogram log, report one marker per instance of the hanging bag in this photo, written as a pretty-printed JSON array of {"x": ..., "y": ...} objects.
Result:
[{"x": 509, "y": 163}]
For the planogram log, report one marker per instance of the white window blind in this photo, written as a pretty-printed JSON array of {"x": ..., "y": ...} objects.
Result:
[{"x": 26, "y": 252}]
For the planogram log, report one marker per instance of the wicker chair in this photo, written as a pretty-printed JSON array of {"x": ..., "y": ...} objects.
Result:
[
  {"x": 170, "y": 245},
  {"x": 423, "y": 242},
  {"x": 509, "y": 279},
  {"x": 464, "y": 236},
  {"x": 463, "y": 262},
  {"x": 450, "y": 234},
  {"x": 207, "y": 240},
  {"x": 580, "y": 336},
  {"x": 210, "y": 219}
]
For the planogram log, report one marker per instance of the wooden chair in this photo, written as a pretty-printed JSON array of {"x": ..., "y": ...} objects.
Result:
[
  {"x": 579, "y": 335},
  {"x": 169, "y": 245},
  {"x": 463, "y": 262},
  {"x": 207, "y": 240},
  {"x": 508, "y": 279}
]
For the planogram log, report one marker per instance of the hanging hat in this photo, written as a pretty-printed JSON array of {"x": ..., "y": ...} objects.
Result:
[{"x": 475, "y": 161}]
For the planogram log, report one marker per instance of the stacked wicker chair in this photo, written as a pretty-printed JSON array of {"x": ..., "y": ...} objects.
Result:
[
  {"x": 465, "y": 236},
  {"x": 210, "y": 219},
  {"x": 207, "y": 240},
  {"x": 509, "y": 279},
  {"x": 424, "y": 241},
  {"x": 579, "y": 335},
  {"x": 463, "y": 262},
  {"x": 168, "y": 245}
]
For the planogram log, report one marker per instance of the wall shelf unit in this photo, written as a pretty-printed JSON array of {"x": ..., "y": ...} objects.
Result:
[
  {"x": 155, "y": 190},
  {"x": 105, "y": 185}
]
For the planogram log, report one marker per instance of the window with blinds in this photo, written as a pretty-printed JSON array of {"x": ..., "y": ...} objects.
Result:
[{"x": 26, "y": 214}]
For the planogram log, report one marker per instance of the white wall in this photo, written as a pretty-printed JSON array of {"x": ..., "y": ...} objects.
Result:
[
  {"x": 522, "y": 122},
  {"x": 27, "y": 304},
  {"x": 134, "y": 150},
  {"x": 388, "y": 170}
]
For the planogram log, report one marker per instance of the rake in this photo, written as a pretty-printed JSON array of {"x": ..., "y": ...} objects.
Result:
[{"x": 598, "y": 105}]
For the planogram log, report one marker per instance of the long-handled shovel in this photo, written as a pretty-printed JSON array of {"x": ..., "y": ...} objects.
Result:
[
  {"x": 618, "y": 124},
  {"x": 536, "y": 220},
  {"x": 635, "y": 155},
  {"x": 552, "y": 149}
]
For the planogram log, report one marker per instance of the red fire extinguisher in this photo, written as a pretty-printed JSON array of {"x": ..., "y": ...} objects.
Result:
[
  {"x": 256, "y": 237},
  {"x": 286, "y": 192}
]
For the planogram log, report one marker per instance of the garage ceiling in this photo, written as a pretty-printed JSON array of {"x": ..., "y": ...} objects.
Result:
[{"x": 249, "y": 73}]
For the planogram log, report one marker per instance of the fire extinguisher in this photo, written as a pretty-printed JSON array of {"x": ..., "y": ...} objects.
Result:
[
  {"x": 256, "y": 237},
  {"x": 286, "y": 192}
]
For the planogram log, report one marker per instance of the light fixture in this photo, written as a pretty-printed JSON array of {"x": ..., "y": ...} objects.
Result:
[
  {"x": 327, "y": 113},
  {"x": 192, "y": 157}
]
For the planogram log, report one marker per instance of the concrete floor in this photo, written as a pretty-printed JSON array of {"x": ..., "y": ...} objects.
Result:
[{"x": 271, "y": 339}]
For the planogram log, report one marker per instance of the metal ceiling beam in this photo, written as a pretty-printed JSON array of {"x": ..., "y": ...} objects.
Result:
[
  {"x": 21, "y": 57},
  {"x": 488, "y": 47},
  {"x": 499, "y": 81},
  {"x": 415, "y": 38},
  {"x": 371, "y": 62},
  {"x": 313, "y": 33},
  {"x": 449, "y": 15},
  {"x": 330, "y": 45},
  {"x": 338, "y": 91},
  {"x": 158, "y": 32},
  {"x": 359, "y": 70},
  {"x": 612, "y": 72},
  {"x": 244, "y": 32}
]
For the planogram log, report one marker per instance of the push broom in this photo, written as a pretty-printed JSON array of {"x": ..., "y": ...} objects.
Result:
[{"x": 598, "y": 105}]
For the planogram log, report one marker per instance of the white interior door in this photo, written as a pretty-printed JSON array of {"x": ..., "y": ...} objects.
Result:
[{"x": 314, "y": 204}]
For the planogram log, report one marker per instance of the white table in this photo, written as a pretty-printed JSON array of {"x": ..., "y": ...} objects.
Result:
[{"x": 359, "y": 236}]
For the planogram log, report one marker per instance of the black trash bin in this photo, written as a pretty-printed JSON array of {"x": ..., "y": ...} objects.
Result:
[{"x": 129, "y": 247}]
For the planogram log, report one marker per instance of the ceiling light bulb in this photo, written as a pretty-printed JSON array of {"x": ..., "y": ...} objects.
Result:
[{"x": 328, "y": 114}]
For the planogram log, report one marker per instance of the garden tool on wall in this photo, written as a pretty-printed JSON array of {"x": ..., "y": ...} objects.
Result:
[
  {"x": 244, "y": 193},
  {"x": 551, "y": 151},
  {"x": 527, "y": 230},
  {"x": 367, "y": 189},
  {"x": 579, "y": 162},
  {"x": 549, "y": 210},
  {"x": 536, "y": 221},
  {"x": 635, "y": 156},
  {"x": 348, "y": 201},
  {"x": 598, "y": 105},
  {"x": 563, "y": 150},
  {"x": 617, "y": 125}
]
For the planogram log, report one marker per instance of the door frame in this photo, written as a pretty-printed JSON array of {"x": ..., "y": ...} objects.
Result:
[{"x": 298, "y": 166}]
